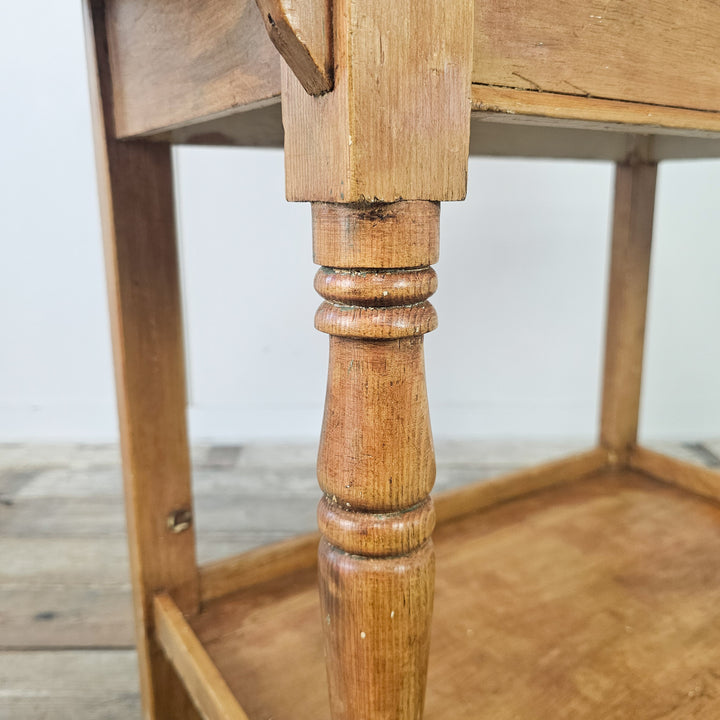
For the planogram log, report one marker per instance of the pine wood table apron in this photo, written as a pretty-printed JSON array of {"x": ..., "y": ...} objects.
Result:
[{"x": 378, "y": 105}]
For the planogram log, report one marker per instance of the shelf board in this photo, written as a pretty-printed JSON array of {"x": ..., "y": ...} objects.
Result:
[{"x": 596, "y": 598}]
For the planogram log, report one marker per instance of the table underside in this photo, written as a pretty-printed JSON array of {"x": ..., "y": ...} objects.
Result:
[
  {"x": 593, "y": 599},
  {"x": 582, "y": 80}
]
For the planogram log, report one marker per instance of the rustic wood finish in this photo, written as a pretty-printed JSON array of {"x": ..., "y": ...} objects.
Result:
[
  {"x": 376, "y": 465},
  {"x": 136, "y": 200},
  {"x": 394, "y": 235},
  {"x": 646, "y": 51},
  {"x": 598, "y": 594},
  {"x": 557, "y": 596},
  {"x": 627, "y": 304},
  {"x": 369, "y": 140},
  {"x": 301, "y": 30},
  {"x": 518, "y": 123},
  {"x": 508, "y": 105},
  {"x": 177, "y": 63},
  {"x": 183, "y": 65},
  {"x": 694, "y": 478},
  {"x": 227, "y": 576},
  {"x": 206, "y": 686},
  {"x": 479, "y": 496}
]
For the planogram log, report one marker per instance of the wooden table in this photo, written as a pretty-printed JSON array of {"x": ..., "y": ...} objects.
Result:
[{"x": 587, "y": 588}]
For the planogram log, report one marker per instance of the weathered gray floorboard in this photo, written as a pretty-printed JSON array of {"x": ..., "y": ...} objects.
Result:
[{"x": 69, "y": 685}]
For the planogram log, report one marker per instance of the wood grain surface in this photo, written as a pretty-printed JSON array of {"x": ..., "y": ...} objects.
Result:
[
  {"x": 649, "y": 65},
  {"x": 704, "y": 481},
  {"x": 176, "y": 63},
  {"x": 647, "y": 51},
  {"x": 301, "y": 30},
  {"x": 138, "y": 221},
  {"x": 66, "y": 633},
  {"x": 376, "y": 463},
  {"x": 397, "y": 235},
  {"x": 397, "y": 123},
  {"x": 65, "y": 581},
  {"x": 632, "y": 232},
  {"x": 201, "y": 678},
  {"x": 592, "y": 599},
  {"x": 515, "y": 123},
  {"x": 530, "y": 107}
]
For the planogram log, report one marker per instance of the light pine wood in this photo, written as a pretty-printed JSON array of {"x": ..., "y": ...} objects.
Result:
[
  {"x": 695, "y": 478},
  {"x": 174, "y": 64},
  {"x": 65, "y": 582},
  {"x": 571, "y": 590},
  {"x": 137, "y": 212},
  {"x": 255, "y": 127},
  {"x": 477, "y": 496},
  {"x": 510, "y": 105},
  {"x": 597, "y": 597},
  {"x": 649, "y": 51},
  {"x": 301, "y": 30},
  {"x": 228, "y": 575},
  {"x": 632, "y": 231},
  {"x": 376, "y": 463},
  {"x": 64, "y": 601},
  {"x": 507, "y": 130},
  {"x": 397, "y": 235},
  {"x": 180, "y": 69},
  {"x": 375, "y": 290},
  {"x": 203, "y": 681},
  {"x": 183, "y": 65},
  {"x": 369, "y": 140}
]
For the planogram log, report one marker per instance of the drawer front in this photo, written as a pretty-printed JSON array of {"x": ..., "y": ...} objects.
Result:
[{"x": 664, "y": 52}]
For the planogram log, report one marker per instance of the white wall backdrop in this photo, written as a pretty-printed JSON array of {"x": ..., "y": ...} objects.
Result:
[{"x": 521, "y": 299}]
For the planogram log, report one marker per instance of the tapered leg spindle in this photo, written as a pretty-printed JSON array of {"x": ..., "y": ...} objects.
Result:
[
  {"x": 376, "y": 463},
  {"x": 376, "y": 155},
  {"x": 627, "y": 304}
]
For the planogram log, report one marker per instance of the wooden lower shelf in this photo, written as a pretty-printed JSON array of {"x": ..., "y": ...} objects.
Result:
[{"x": 598, "y": 598}]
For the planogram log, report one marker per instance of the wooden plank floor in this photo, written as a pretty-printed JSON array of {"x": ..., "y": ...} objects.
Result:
[{"x": 65, "y": 628}]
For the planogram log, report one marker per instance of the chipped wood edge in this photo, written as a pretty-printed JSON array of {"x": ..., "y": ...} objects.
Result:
[
  {"x": 501, "y": 104},
  {"x": 301, "y": 31},
  {"x": 201, "y": 677},
  {"x": 694, "y": 478},
  {"x": 241, "y": 572}
]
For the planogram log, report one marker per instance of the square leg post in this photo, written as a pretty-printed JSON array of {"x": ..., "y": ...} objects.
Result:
[
  {"x": 137, "y": 211},
  {"x": 375, "y": 155},
  {"x": 627, "y": 305}
]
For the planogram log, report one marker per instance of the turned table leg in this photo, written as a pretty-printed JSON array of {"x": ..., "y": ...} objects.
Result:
[
  {"x": 375, "y": 155},
  {"x": 376, "y": 463}
]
